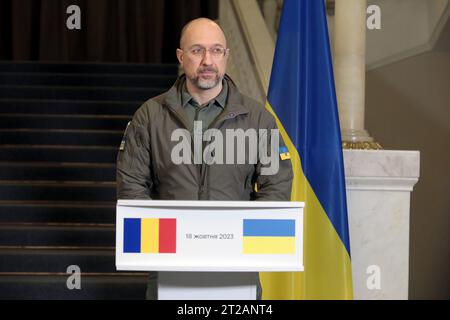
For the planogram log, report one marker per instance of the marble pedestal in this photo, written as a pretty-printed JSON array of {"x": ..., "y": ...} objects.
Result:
[{"x": 379, "y": 186}]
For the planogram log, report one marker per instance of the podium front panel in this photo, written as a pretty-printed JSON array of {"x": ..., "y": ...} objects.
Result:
[{"x": 222, "y": 236}]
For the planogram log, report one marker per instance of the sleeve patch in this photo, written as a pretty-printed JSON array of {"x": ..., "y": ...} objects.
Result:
[{"x": 284, "y": 153}]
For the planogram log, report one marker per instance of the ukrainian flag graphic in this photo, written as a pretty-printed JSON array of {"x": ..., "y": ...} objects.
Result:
[
  {"x": 269, "y": 236},
  {"x": 284, "y": 153},
  {"x": 149, "y": 235},
  {"x": 302, "y": 99}
]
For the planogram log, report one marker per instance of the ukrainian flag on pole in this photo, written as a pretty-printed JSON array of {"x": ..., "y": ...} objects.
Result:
[{"x": 303, "y": 100}]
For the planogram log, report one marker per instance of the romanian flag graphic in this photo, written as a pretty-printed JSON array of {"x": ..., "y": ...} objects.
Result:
[
  {"x": 149, "y": 235},
  {"x": 302, "y": 99},
  {"x": 269, "y": 236}
]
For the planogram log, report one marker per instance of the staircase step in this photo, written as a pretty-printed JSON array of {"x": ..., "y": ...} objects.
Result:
[
  {"x": 78, "y": 93},
  {"x": 57, "y": 212},
  {"x": 55, "y": 259},
  {"x": 58, "y": 153},
  {"x": 61, "y": 137},
  {"x": 57, "y": 235},
  {"x": 86, "y": 80},
  {"x": 57, "y": 171},
  {"x": 33, "y": 106},
  {"x": 57, "y": 190},
  {"x": 83, "y": 68},
  {"x": 58, "y": 121},
  {"x": 54, "y": 286}
]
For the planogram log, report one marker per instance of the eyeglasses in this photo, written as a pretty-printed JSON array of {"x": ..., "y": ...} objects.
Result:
[{"x": 198, "y": 52}]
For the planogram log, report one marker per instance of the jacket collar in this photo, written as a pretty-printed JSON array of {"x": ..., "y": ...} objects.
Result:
[
  {"x": 234, "y": 106},
  {"x": 219, "y": 101}
]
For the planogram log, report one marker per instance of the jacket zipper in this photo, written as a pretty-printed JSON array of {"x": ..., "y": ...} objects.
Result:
[
  {"x": 180, "y": 119},
  {"x": 219, "y": 119}
]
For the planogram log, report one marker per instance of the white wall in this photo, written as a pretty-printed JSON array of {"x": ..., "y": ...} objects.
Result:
[
  {"x": 404, "y": 27},
  {"x": 408, "y": 108}
]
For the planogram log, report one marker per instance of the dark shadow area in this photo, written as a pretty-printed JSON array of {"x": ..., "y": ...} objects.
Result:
[{"x": 140, "y": 31}]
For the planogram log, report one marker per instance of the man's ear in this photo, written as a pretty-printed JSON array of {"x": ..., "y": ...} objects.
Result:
[{"x": 180, "y": 56}]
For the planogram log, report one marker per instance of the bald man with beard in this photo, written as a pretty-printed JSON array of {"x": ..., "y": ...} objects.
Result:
[{"x": 205, "y": 95}]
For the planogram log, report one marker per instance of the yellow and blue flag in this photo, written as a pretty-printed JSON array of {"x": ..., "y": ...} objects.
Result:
[
  {"x": 269, "y": 236},
  {"x": 302, "y": 98}
]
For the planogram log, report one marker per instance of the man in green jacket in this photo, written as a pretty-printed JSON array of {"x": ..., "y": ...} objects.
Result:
[{"x": 164, "y": 153}]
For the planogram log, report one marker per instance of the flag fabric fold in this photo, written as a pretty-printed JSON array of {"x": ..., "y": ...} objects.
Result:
[{"x": 303, "y": 100}]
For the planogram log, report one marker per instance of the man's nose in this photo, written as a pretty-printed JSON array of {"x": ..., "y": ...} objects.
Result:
[{"x": 207, "y": 59}]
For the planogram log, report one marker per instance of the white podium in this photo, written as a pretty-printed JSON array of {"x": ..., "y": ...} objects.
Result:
[{"x": 209, "y": 250}]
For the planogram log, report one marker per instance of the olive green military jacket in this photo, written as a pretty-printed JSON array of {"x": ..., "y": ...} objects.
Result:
[{"x": 145, "y": 166}]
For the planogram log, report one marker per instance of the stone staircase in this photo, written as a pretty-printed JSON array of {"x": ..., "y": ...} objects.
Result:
[{"x": 60, "y": 128}]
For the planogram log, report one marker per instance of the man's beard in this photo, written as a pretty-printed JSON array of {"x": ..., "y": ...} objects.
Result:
[{"x": 206, "y": 84}]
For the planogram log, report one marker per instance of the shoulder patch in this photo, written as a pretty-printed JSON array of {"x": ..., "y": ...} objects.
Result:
[
  {"x": 284, "y": 153},
  {"x": 122, "y": 144}
]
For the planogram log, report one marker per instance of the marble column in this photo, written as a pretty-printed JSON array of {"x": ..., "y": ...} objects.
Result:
[
  {"x": 379, "y": 185},
  {"x": 350, "y": 71}
]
